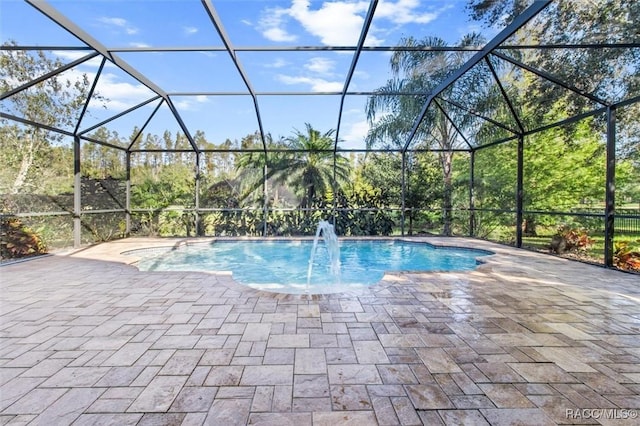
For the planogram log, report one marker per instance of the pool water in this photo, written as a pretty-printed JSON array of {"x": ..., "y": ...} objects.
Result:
[{"x": 283, "y": 265}]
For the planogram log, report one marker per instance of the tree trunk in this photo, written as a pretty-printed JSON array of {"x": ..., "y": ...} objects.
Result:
[
  {"x": 447, "y": 202},
  {"x": 25, "y": 165},
  {"x": 530, "y": 227},
  {"x": 410, "y": 232},
  {"x": 446, "y": 158}
]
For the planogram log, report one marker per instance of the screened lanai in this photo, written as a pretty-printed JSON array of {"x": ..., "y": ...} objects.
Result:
[
  {"x": 506, "y": 121},
  {"x": 502, "y": 131}
]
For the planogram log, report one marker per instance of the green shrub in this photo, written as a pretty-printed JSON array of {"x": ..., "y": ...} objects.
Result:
[{"x": 16, "y": 240}]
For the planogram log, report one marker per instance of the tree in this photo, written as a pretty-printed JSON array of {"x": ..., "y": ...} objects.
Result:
[
  {"x": 251, "y": 166},
  {"x": 612, "y": 74},
  {"x": 55, "y": 102},
  {"x": 309, "y": 171},
  {"x": 100, "y": 161},
  {"x": 392, "y": 116},
  {"x": 561, "y": 172},
  {"x": 423, "y": 181}
]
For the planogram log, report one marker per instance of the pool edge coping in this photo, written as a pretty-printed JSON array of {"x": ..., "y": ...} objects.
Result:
[{"x": 113, "y": 251}]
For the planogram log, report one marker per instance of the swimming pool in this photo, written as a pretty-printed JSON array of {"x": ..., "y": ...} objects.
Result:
[{"x": 282, "y": 266}]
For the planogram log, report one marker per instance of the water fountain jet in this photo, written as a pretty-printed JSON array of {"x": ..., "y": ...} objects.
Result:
[{"x": 333, "y": 249}]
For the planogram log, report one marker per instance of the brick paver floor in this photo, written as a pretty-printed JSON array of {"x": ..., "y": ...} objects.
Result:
[{"x": 525, "y": 339}]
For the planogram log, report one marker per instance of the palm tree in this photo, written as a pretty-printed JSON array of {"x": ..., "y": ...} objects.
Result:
[
  {"x": 309, "y": 169},
  {"x": 392, "y": 116}
]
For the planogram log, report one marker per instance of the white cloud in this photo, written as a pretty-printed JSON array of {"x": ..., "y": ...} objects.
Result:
[
  {"x": 335, "y": 23},
  {"x": 315, "y": 84},
  {"x": 277, "y": 63},
  {"x": 191, "y": 103},
  {"x": 338, "y": 23},
  {"x": 121, "y": 95},
  {"x": 72, "y": 55},
  {"x": 183, "y": 105},
  {"x": 405, "y": 12},
  {"x": 139, "y": 44},
  {"x": 278, "y": 34},
  {"x": 189, "y": 30},
  {"x": 354, "y": 135},
  {"x": 271, "y": 25},
  {"x": 320, "y": 65},
  {"x": 119, "y": 23}
]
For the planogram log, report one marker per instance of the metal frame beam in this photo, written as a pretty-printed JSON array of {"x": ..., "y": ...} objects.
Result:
[
  {"x": 183, "y": 126},
  {"x": 354, "y": 62},
  {"x": 127, "y": 205},
  {"x": 35, "y": 124},
  {"x": 403, "y": 181},
  {"x": 472, "y": 196},
  {"x": 146, "y": 123},
  {"x": 77, "y": 193},
  {"x": 363, "y": 35},
  {"x": 151, "y": 49},
  {"x": 569, "y": 120},
  {"x": 547, "y": 76},
  {"x": 477, "y": 114},
  {"x": 498, "y": 142},
  {"x": 43, "y": 47},
  {"x": 60, "y": 19},
  {"x": 291, "y": 93},
  {"x": 571, "y": 46},
  {"x": 217, "y": 23},
  {"x": 89, "y": 95},
  {"x": 99, "y": 142},
  {"x": 196, "y": 203},
  {"x": 47, "y": 76},
  {"x": 297, "y": 151},
  {"x": 505, "y": 96},
  {"x": 120, "y": 114},
  {"x": 296, "y": 49},
  {"x": 626, "y": 102},
  {"x": 452, "y": 123},
  {"x": 516, "y": 24},
  {"x": 519, "y": 191},
  {"x": 610, "y": 188}
]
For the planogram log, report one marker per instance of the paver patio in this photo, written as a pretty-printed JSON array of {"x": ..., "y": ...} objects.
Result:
[{"x": 527, "y": 338}]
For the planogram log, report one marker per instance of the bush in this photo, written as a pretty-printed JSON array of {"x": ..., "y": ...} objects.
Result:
[
  {"x": 16, "y": 240},
  {"x": 569, "y": 239},
  {"x": 626, "y": 257}
]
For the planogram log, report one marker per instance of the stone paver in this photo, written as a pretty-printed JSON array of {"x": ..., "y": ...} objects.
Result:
[
  {"x": 158, "y": 395},
  {"x": 524, "y": 339}
]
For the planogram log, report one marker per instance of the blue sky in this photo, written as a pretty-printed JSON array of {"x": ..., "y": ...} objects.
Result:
[{"x": 253, "y": 23}]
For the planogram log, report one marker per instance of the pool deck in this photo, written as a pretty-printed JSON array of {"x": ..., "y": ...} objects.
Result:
[{"x": 527, "y": 338}]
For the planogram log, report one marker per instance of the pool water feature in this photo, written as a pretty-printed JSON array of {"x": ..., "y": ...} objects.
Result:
[
  {"x": 333, "y": 251},
  {"x": 282, "y": 265}
]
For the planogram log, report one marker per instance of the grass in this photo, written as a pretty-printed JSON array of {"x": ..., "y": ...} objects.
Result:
[{"x": 595, "y": 252}]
